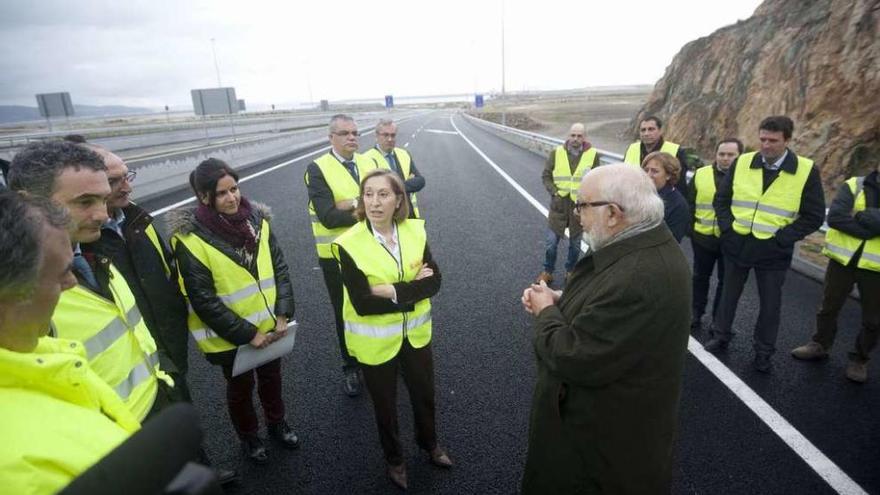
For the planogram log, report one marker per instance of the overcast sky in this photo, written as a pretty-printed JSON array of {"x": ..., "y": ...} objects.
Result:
[{"x": 151, "y": 53}]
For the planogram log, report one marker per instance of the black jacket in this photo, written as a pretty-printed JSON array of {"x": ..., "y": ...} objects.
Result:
[
  {"x": 709, "y": 242},
  {"x": 199, "y": 281},
  {"x": 158, "y": 295},
  {"x": 675, "y": 211},
  {"x": 774, "y": 253}
]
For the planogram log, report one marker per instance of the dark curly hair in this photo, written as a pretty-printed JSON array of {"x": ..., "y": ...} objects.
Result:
[{"x": 35, "y": 168}]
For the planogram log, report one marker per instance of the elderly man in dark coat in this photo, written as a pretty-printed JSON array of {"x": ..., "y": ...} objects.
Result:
[{"x": 610, "y": 348}]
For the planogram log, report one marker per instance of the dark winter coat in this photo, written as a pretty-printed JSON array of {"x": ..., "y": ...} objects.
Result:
[
  {"x": 610, "y": 357},
  {"x": 199, "y": 281}
]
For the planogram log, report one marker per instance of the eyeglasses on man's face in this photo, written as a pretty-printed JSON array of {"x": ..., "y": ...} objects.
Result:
[
  {"x": 581, "y": 205},
  {"x": 128, "y": 177}
]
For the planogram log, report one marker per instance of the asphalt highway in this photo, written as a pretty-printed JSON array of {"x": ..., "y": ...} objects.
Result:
[{"x": 487, "y": 237}]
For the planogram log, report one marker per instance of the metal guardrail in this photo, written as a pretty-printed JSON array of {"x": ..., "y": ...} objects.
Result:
[{"x": 549, "y": 143}]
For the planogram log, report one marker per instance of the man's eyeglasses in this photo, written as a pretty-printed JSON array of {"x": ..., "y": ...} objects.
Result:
[
  {"x": 580, "y": 205},
  {"x": 346, "y": 133},
  {"x": 387, "y": 134},
  {"x": 129, "y": 177},
  {"x": 573, "y": 136}
]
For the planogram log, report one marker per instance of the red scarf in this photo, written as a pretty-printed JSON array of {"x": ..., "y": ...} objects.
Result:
[{"x": 234, "y": 228}]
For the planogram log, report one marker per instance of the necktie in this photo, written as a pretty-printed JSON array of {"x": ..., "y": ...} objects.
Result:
[
  {"x": 392, "y": 162},
  {"x": 352, "y": 169},
  {"x": 85, "y": 271}
]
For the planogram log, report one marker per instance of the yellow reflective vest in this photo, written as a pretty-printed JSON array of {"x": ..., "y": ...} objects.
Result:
[
  {"x": 634, "y": 152},
  {"x": 567, "y": 183},
  {"x": 117, "y": 341},
  {"x": 250, "y": 298},
  {"x": 376, "y": 339},
  {"x": 841, "y": 247},
  {"x": 404, "y": 160},
  {"x": 705, "y": 221},
  {"x": 343, "y": 187},
  {"x": 57, "y": 417},
  {"x": 762, "y": 213}
]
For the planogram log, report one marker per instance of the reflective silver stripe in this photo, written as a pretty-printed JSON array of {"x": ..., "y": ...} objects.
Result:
[
  {"x": 101, "y": 341},
  {"x": 373, "y": 330},
  {"x": 764, "y": 228},
  {"x": 839, "y": 250},
  {"x": 777, "y": 211},
  {"x": 703, "y": 206},
  {"x": 136, "y": 376},
  {"x": 417, "y": 322},
  {"x": 705, "y": 221},
  {"x": 325, "y": 239},
  {"x": 872, "y": 257},
  {"x": 562, "y": 178},
  {"x": 255, "y": 319},
  {"x": 744, "y": 223},
  {"x": 744, "y": 204},
  {"x": 248, "y": 291}
]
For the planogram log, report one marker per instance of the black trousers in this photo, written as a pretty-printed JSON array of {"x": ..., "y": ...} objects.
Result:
[
  {"x": 417, "y": 368},
  {"x": 770, "y": 295},
  {"x": 705, "y": 260},
  {"x": 839, "y": 281},
  {"x": 333, "y": 281}
]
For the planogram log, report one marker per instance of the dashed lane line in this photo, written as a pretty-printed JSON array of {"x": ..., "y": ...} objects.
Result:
[{"x": 819, "y": 462}]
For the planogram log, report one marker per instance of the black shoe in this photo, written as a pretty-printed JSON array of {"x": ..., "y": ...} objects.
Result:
[
  {"x": 282, "y": 433},
  {"x": 352, "y": 383},
  {"x": 254, "y": 449},
  {"x": 226, "y": 476},
  {"x": 715, "y": 345},
  {"x": 762, "y": 363}
]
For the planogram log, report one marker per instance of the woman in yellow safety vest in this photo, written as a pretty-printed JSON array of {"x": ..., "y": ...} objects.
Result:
[
  {"x": 389, "y": 275},
  {"x": 239, "y": 291}
]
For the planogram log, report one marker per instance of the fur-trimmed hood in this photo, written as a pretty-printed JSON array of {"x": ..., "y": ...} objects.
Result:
[{"x": 183, "y": 220}]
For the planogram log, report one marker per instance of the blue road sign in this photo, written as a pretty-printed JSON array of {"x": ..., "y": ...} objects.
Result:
[
  {"x": 478, "y": 101},
  {"x": 389, "y": 101}
]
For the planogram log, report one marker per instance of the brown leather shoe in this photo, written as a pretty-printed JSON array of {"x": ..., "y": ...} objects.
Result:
[
  {"x": 397, "y": 475},
  {"x": 440, "y": 458},
  {"x": 547, "y": 278}
]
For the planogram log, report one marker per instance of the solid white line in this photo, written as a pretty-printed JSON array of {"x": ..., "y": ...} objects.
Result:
[
  {"x": 819, "y": 462},
  {"x": 440, "y": 131}
]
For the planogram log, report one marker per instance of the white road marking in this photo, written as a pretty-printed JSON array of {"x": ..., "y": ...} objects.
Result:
[
  {"x": 406, "y": 145},
  {"x": 819, "y": 462},
  {"x": 440, "y": 131}
]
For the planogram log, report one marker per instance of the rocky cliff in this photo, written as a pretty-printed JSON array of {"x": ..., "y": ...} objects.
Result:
[{"x": 817, "y": 61}]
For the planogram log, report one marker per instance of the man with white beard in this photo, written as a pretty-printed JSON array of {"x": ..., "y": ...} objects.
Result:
[{"x": 610, "y": 348}]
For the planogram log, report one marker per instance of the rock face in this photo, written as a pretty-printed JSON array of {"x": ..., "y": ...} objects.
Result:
[{"x": 817, "y": 61}]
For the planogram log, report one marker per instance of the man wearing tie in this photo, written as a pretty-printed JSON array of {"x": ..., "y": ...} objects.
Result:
[
  {"x": 333, "y": 182},
  {"x": 399, "y": 160}
]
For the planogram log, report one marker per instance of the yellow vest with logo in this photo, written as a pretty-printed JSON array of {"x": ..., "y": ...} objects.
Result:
[
  {"x": 404, "y": 160},
  {"x": 634, "y": 152},
  {"x": 252, "y": 299},
  {"x": 57, "y": 417},
  {"x": 154, "y": 240},
  {"x": 376, "y": 339},
  {"x": 705, "y": 221},
  {"x": 118, "y": 343},
  {"x": 762, "y": 213},
  {"x": 567, "y": 183},
  {"x": 343, "y": 187},
  {"x": 841, "y": 247}
]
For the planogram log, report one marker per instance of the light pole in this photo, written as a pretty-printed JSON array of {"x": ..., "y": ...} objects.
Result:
[{"x": 216, "y": 67}]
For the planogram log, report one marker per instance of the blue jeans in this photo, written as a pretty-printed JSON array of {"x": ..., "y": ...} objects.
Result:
[{"x": 550, "y": 243}]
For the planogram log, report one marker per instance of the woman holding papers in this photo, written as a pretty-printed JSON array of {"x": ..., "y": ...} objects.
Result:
[
  {"x": 239, "y": 291},
  {"x": 389, "y": 275}
]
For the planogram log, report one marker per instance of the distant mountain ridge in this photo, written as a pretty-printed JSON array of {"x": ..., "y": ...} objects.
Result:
[
  {"x": 21, "y": 113},
  {"x": 817, "y": 62}
]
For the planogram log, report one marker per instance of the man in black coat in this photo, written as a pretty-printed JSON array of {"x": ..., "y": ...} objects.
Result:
[
  {"x": 754, "y": 238},
  {"x": 610, "y": 348}
]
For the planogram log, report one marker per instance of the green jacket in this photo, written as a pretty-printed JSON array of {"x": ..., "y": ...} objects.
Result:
[{"x": 610, "y": 357}]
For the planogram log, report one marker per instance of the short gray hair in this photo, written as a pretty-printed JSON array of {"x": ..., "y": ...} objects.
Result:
[
  {"x": 35, "y": 168},
  {"x": 336, "y": 119},
  {"x": 22, "y": 218},
  {"x": 384, "y": 123},
  {"x": 629, "y": 187}
]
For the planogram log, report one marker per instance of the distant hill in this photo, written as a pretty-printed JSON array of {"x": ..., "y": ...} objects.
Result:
[{"x": 19, "y": 113}]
